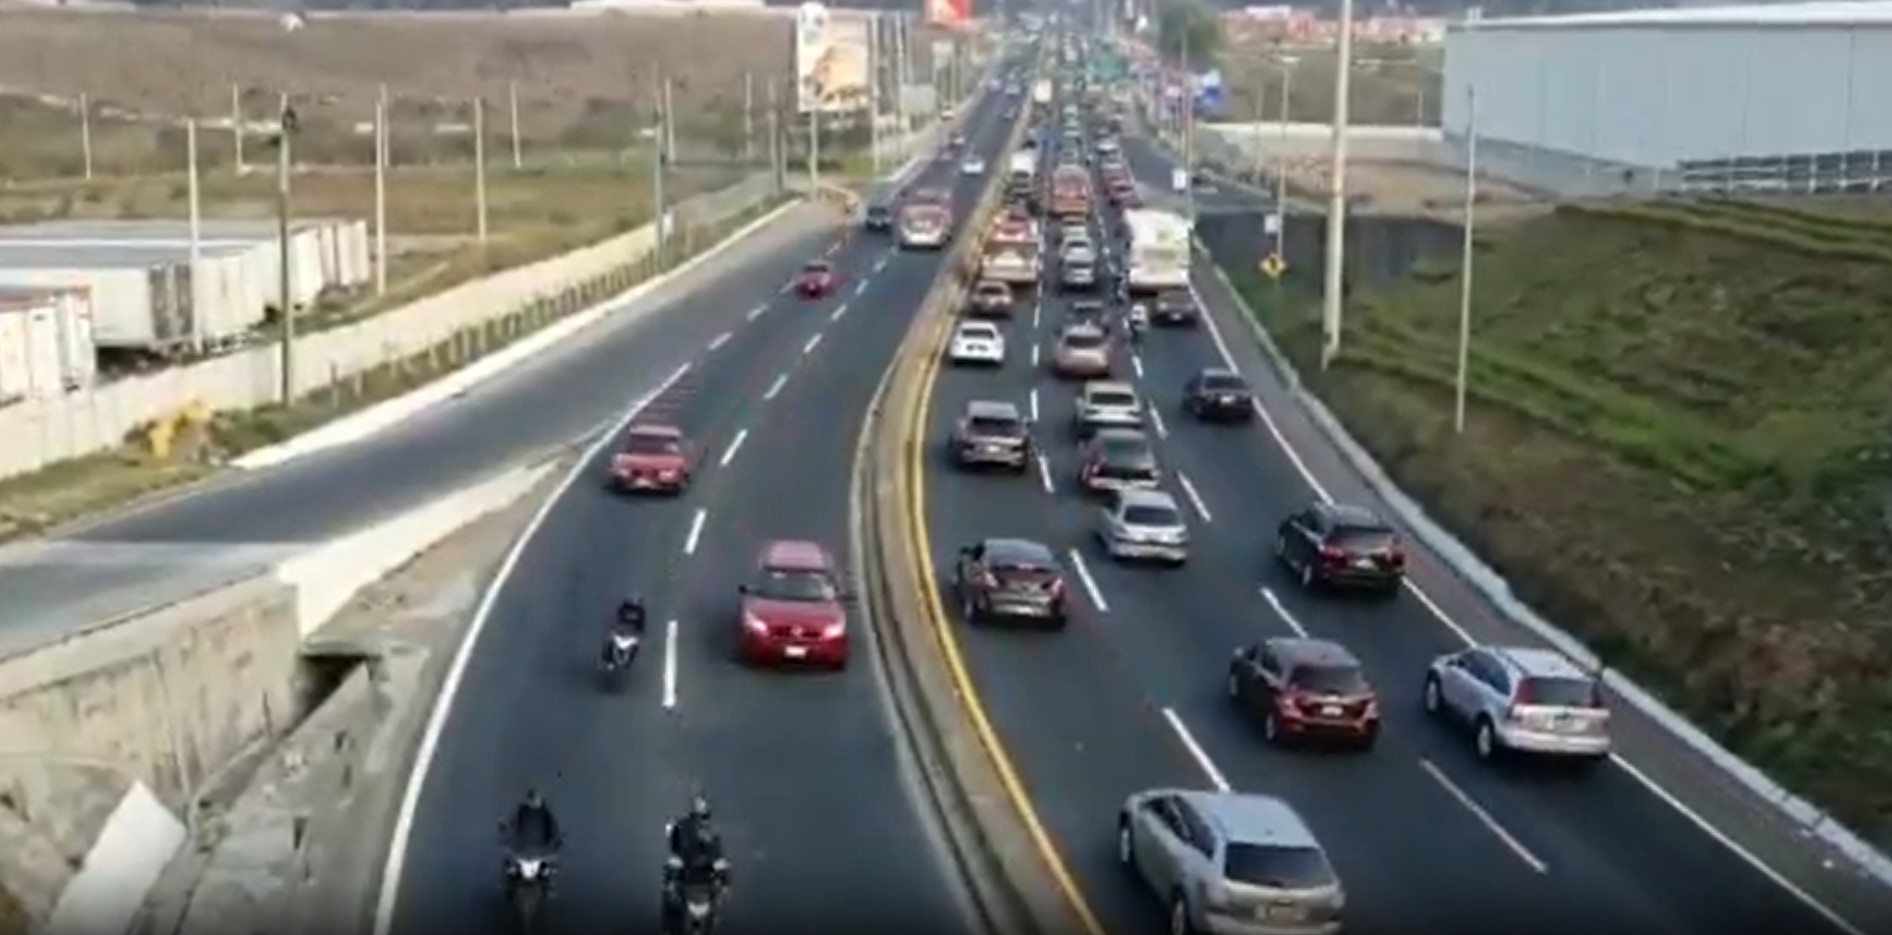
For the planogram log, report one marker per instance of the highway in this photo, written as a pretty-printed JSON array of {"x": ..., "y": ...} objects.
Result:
[
  {"x": 810, "y": 786},
  {"x": 242, "y": 522},
  {"x": 1130, "y": 696}
]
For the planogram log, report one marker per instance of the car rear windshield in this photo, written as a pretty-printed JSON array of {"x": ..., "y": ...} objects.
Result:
[
  {"x": 978, "y": 331},
  {"x": 1175, "y": 300},
  {"x": 997, "y": 289},
  {"x": 996, "y": 426},
  {"x": 1558, "y": 692},
  {"x": 794, "y": 584},
  {"x": 1363, "y": 538},
  {"x": 1224, "y": 383},
  {"x": 1126, "y": 449},
  {"x": 1083, "y": 342},
  {"x": 1277, "y": 867},
  {"x": 1112, "y": 398},
  {"x": 651, "y": 445},
  {"x": 1330, "y": 679},
  {"x": 1151, "y": 516},
  {"x": 1025, "y": 574}
]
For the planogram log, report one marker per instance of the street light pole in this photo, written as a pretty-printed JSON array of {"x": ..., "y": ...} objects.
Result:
[
  {"x": 1281, "y": 160},
  {"x": 285, "y": 298},
  {"x": 1337, "y": 199},
  {"x": 1465, "y": 261}
]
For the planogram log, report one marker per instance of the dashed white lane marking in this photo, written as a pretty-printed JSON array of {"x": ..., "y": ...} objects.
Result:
[
  {"x": 787, "y": 286},
  {"x": 696, "y": 532},
  {"x": 756, "y": 312},
  {"x": 1136, "y": 363},
  {"x": 1478, "y": 811},
  {"x": 1156, "y": 422},
  {"x": 720, "y": 340},
  {"x": 1044, "y": 475},
  {"x": 860, "y": 287},
  {"x": 813, "y": 343},
  {"x": 1034, "y": 357},
  {"x": 832, "y": 248},
  {"x": 1267, "y": 594},
  {"x": 839, "y": 311},
  {"x": 1034, "y": 404},
  {"x": 881, "y": 263},
  {"x": 1195, "y": 750},
  {"x": 1037, "y": 314},
  {"x": 1090, "y": 583},
  {"x": 670, "y": 666},
  {"x": 776, "y": 387},
  {"x": 1195, "y": 499},
  {"x": 735, "y": 445}
]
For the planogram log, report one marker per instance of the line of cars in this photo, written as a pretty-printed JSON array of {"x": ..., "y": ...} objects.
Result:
[{"x": 1227, "y": 861}]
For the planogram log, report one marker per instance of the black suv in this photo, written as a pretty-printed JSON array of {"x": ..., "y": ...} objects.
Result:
[
  {"x": 1219, "y": 395},
  {"x": 1176, "y": 307},
  {"x": 879, "y": 218}
]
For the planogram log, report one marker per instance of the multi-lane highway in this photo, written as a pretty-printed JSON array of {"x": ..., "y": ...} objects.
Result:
[
  {"x": 1130, "y": 696},
  {"x": 806, "y": 776}
]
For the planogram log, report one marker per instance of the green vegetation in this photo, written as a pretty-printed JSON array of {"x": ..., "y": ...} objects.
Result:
[
  {"x": 34, "y": 503},
  {"x": 1676, "y": 448},
  {"x": 1189, "y": 29}
]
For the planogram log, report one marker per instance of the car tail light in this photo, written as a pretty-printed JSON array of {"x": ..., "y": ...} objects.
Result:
[
  {"x": 1057, "y": 587},
  {"x": 1290, "y": 701},
  {"x": 1372, "y": 709},
  {"x": 1333, "y": 555},
  {"x": 833, "y": 631},
  {"x": 1396, "y": 555},
  {"x": 754, "y": 623}
]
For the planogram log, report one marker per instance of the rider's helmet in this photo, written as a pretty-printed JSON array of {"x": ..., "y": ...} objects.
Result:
[
  {"x": 534, "y": 799},
  {"x": 699, "y": 807}
]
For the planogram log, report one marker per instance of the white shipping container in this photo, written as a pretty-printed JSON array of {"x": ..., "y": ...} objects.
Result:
[
  {"x": 360, "y": 254},
  {"x": 42, "y": 350},
  {"x": 78, "y": 356},
  {"x": 331, "y": 260},
  {"x": 15, "y": 382},
  {"x": 126, "y": 300},
  {"x": 305, "y": 258}
]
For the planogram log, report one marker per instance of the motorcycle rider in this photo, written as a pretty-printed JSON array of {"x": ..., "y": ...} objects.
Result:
[
  {"x": 1139, "y": 319},
  {"x": 696, "y": 856},
  {"x": 629, "y": 622}
]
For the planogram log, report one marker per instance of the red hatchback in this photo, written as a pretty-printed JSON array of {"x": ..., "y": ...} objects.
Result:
[
  {"x": 793, "y": 609},
  {"x": 817, "y": 279},
  {"x": 654, "y": 458}
]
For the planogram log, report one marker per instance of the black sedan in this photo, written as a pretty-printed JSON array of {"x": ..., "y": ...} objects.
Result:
[
  {"x": 1219, "y": 396},
  {"x": 879, "y": 218}
]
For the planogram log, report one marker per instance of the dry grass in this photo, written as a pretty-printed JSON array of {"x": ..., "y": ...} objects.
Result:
[
  {"x": 12, "y": 920},
  {"x": 583, "y": 81},
  {"x": 1677, "y": 449},
  {"x": 1392, "y": 85}
]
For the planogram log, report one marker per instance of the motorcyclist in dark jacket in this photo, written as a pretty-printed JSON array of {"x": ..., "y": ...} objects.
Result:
[
  {"x": 534, "y": 827},
  {"x": 696, "y": 857},
  {"x": 629, "y": 622}
]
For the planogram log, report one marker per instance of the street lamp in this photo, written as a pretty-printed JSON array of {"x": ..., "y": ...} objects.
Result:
[
  {"x": 287, "y": 125},
  {"x": 1337, "y": 200},
  {"x": 1286, "y": 63}
]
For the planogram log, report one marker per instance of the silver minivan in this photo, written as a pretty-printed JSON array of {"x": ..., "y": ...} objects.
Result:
[{"x": 1230, "y": 863}]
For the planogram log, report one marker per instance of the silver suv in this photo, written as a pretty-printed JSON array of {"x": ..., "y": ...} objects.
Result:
[
  {"x": 1521, "y": 699},
  {"x": 1144, "y": 524},
  {"x": 1230, "y": 862}
]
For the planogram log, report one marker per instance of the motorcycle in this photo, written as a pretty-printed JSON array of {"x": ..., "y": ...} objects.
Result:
[
  {"x": 528, "y": 884},
  {"x": 690, "y": 906},
  {"x": 619, "y": 652}
]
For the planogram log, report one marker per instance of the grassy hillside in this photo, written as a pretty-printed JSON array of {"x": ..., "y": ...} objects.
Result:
[
  {"x": 1678, "y": 448},
  {"x": 1392, "y": 85}
]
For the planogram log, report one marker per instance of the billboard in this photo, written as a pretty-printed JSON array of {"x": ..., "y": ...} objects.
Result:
[
  {"x": 831, "y": 60},
  {"x": 952, "y": 14}
]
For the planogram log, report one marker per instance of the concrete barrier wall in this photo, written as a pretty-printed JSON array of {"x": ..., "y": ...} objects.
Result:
[
  {"x": 162, "y": 700},
  {"x": 43, "y": 432}
]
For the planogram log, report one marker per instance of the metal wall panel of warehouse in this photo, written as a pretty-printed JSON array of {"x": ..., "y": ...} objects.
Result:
[{"x": 1650, "y": 93}]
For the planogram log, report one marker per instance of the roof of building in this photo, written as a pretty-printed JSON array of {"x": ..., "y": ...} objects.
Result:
[{"x": 1826, "y": 13}]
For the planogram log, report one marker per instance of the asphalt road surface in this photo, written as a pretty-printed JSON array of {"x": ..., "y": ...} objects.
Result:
[
  {"x": 1130, "y": 696},
  {"x": 808, "y": 781}
]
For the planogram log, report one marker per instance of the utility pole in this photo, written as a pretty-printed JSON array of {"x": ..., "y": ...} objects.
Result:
[
  {"x": 1281, "y": 160},
  {"x": 814, "y": 144},
  {"x": 776, "y": 167},
  {"x": 1465, "y": 261},
  {"x": 512, "y": 105},
  {"x": 85, "y": 132},
  {"x": 1189, "y": 132},
  {"x": 873, "y": 89},
  {"x": 1331, "y": 298},
  {"x": 285, "y": 297},
  {"x": 748, "y": 118},
  {"x": 381, "y": 193},
  {"x": 236, "y": 125},
  {"x": 658, "y": 195},
  {"x": 479, "y": 167},
  {"x": 670, "y": 122},
  {"x": 197, "y": 238}
]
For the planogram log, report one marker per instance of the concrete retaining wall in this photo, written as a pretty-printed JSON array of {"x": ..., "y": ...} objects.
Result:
[{"x": 42, "y": 432}]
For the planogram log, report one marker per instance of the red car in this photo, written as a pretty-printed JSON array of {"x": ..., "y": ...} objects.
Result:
[
  {"x": 653, "y": 458},
  {"x": 816, "y": 280},
  {"x": 794, "y": 610}
]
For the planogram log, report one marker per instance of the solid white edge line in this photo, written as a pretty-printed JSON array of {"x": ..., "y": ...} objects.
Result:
[
  {"x": 670, "y": 666},
  {"x": 1648, "y": 782},
  {"x": 1195, "y": 499},
  {"x": 1484, "y": 817},
  {"x": 719, "y": 341},
  {"x": 735, "y": 445},
  {"x": 1090, "y": 583},
  {"x": 1044, "y": 475},
  {"x": 1196, "y": 752},
  {"x": 1267, "y": 594},
  {"x": 696, "y": 531},
  {"x": 776, "y": 387},
  {"x": 813, "y": 343},
  {"x": 417, "y": 776}
]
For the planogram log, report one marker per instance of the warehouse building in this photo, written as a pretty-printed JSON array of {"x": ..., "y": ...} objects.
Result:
[{"x": 1792, "y": 98}]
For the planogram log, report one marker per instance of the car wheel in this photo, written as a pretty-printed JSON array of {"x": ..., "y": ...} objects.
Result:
[
  {"x": 1271, "y": 728},
  {"x": 1486, "y": 740},
  {"x": 1126, "y": 845},
  {"x": 1281, "y": 546},
  {"x": 1179, "y": 923},
  {"x": 1307, "y": 575},
  {"x": 1431, "y": 698},
  {"x": 1234, "y": 686},
  {"x": 968, "y": 608}
]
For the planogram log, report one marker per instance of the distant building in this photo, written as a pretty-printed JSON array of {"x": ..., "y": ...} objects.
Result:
[{"x": 1786, "y": 97}]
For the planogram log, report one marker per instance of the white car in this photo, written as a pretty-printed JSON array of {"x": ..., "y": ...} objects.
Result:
[
  {"x": 978, "y": 342},
  {"x": 972, "y": 166}
]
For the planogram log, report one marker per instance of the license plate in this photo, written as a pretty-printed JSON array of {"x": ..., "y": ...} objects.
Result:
[
  {"x": 992, "y": 449},
  {"x": 1280, "y": 913},
  {"x": 1331, "y": 710},
  {"x": 795, "y": 652},
  {"x": 1225, "y": 400},
  {"x": 1363, "y": 563}
]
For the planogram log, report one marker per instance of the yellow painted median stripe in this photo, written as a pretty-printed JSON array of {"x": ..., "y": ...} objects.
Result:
[{"x": 914, "y": 471}]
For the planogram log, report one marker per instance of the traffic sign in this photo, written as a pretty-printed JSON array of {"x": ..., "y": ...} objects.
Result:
[{"x": 1272, "y": 266}]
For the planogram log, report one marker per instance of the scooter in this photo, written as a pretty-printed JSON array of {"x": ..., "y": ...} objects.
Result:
[{"x": 619, "y": 652}]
